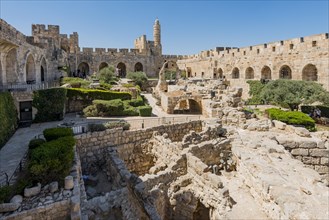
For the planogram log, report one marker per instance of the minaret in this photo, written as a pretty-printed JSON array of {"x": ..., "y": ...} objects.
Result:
[{"x": 157, "y": 33}]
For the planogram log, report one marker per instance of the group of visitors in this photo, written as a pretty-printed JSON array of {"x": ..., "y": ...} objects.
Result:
[
  {"x": 315, "y": 113},
  {"x": 79, "y": 74}
]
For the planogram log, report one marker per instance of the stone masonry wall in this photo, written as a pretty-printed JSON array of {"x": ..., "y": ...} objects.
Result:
[{"x": 92, "y": 146}]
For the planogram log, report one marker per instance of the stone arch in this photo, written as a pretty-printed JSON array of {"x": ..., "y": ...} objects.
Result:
[
  {"x": 249, "y": 74},
  {"x": 83, "y": 69},
  {"x": 121, "y": 69},
  {"x": 189, "y": 72},
  {"x": 310, "y": 73},
  {"x": 285, "y": 72},
  {"x": 220, "y": 73},
  {"x": 188, "y": 106},
  {"x": 11, "y": 66},
  {"x": 138, "y": 67},
  {"x": 215, "y": 74},
  {"x": 30, "y": 69},
  {"x": 266, "y": 73},
  {"x": 43, "y": 70},
  {"x": 235, "y": 73},
  {"x": 102, "y": 65}
]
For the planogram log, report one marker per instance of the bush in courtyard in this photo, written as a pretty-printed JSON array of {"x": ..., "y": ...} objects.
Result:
[
  {"x": 34, "y": 143},
  {"x": 50, "y": 104},
  {"x": 55, "y": 133},
  {"x": 93, "y": 94},
  {"x": 5, "y": 192},
  {"x": 139, "y": 101},
  {"x": 117, "y": 124},
  {"x": 107, "y": 74},
  {"x": 292, "y": 117},
  {"x": 145, "y": 110},
  {"x": 96, "y": 127},
  {"x": 52, "y": 161},
  {"x": 138, "y": 77},
  {"x": 8, "y": 117}
]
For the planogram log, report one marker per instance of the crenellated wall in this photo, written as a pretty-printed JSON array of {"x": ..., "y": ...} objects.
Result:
[{"x": 306, "y": 57}]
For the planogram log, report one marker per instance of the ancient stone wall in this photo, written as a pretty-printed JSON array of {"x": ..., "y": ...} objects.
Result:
[
  {"x": 304, "y": 58},
  {"x": 93, "y": 146}
]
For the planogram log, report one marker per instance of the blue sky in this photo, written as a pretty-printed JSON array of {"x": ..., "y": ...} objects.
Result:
[{"x": 187, "y": 26}]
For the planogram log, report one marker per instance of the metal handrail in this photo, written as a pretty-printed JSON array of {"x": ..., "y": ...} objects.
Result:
[{"x": 28, "y": 86}]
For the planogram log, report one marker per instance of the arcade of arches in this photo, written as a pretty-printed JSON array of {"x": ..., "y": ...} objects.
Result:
[
  {"x": 249, "y": 73},
  {"x": 102, "y": 65},
  {"x": 285, "y": 72},
  {"x": 138, "y": 67},
  {"x": 266, "y": 73},
  {"x": 30, "y": 70},
  {"x": 11, "y": 66},
  {"x": 310, "y": 73},
  {"x": 43, "y": 70},
  {"x": 121, "y": 70},
  {"x": 235, "y": 73},
  {"x": 83, "y": 68}
]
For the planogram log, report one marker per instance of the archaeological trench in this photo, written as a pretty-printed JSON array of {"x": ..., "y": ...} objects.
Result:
[{"x": 230, "y": 166}]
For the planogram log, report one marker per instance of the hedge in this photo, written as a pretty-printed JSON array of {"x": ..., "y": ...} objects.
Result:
[
  {"x": 50, "y": 104},
  {"x": 145, "y": 110},
  {"x": 52, "y": 161},
  {"x": 94, "y": 94},
  {"x": 8, "y": 117},
  {"x": 139, "y": 101},
  {"x": 118, "y": 124},
  {"x": 34, "y": 143},
  {"x": 292, "y": 117},
  {"x": 55, "y": 133},
  {"x": 308, "y": 109}
]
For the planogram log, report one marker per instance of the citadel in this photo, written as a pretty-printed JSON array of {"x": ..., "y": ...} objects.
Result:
[
  {"x": 220, "y": 163},
  {"x": 37, "y": 58}
]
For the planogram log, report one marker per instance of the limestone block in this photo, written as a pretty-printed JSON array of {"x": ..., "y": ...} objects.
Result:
[
  {"x": 311, "y": 160},
  {"x": 53, "y": 187},
  {"x": 17, "y": 199},
  {"x": 324, "y": 161},
  {"x": 303, "y": 132},
  {"x": 322, "y": 169},
  {"x": 299, "y": 151},
  {"x": 280, "y": 125},
  {"x": 9, "y": 207},
  {"x": 307, "y": 144},
  {"x": 69, "y": 184},
  {"x": 319, "y": 152},
  {"x": 29, "y": 192}
]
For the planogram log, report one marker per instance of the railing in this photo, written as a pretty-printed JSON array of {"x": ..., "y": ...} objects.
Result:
[{"x": 28, "y": 86}]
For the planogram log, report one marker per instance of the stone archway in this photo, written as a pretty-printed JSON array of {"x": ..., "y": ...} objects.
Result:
[
  {"x": 138, "y": 67},
  {"x": 189, "y": 72},
  {"x": 43, "y": 70},
  {"x": 285, "y": 72},
  {"x": 30, "y": 70},
  {"x": 102, "y": 65},
  {"x": 83, "y": 69},
  {"x": 220, "y": 73},
  {"x": 187, "y": 106},
  {"x": 249, "y": 74},
  {"x": 310, "y": 73},
  {"x": 11, "y": 66},
  {"x": 121, "y": 69},
  {"x": 266, "y": 73},
  {"x": 235, "y": 73},
  {"x": 215, "y": 74}
]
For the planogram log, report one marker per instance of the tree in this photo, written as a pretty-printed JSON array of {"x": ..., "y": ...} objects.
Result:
[
  {"x": 291, "y": 93},
  {"x": 138, "y": 77},
  {"x": 107, "y": 74}
]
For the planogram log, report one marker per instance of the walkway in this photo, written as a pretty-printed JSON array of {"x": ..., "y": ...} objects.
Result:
[{"x": 15, "y": 149}]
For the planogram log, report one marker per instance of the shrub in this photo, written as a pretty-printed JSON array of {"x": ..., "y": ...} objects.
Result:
[
  {"x": 138, "y": 77},
  {"x": 34, "y": 143},
  {"x": 107, "y": 74},
  {"x": 93, "y": 94},
  {"x": 255, "y": 88},
  {"x": 118, "y": 124},
  {"x": 96, "y": 127},
  {"x": 75, "y": 82},
  {"x": 8, "y": 117},
  {"x": 139, "y": 101},
  {"x": 145, "y": 110},
  {"x": 50, "y": 104},
  {"x": 129, "y": 110},
  {"x": 52, "y": 160},
  {"x": 55, "y": 133},
  {"x": 5, "y": 192},
  {"x": 292, "y": 117}
]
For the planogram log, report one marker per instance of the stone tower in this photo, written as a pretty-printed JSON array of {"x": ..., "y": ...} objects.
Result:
[{"x": 157, "y": 34}]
